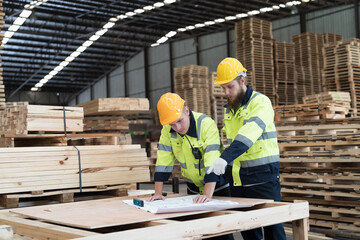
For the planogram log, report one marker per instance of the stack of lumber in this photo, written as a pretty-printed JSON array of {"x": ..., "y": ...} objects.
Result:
[
  {"x": 285, "y": 81},
  {"x": 218, "y": 100},
  {"x": 105, "y": 123},
  {"x": 2, "y": 87},
  {"x": 320, "y": 163},
  {"x": 334, "y": 97},
  {"x": 342, "y": 69},
  {"x": 309, "y": 61},
  {"x": 191, "y": 82},
  {"x": 254, "y": 49},
  {"x": 22, "y": 118},
  {"x": 327, "y": 110},
  {"x": 30, "y": 169}
]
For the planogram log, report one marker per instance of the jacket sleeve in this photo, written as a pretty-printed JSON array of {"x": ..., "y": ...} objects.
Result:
[
  {"x": 165, "y": 157},
  {"x": 210, "y": 135},
  {"x": 260, "y": 116}
]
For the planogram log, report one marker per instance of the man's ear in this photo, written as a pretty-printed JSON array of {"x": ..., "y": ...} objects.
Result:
[{"x": 187, "y": 110}]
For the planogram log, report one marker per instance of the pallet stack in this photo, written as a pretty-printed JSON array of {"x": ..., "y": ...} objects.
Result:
[
  {"x": 342, "y": 70},
  {"x": 309, "y": 61},
  {"x": 254, "y": 49},
  {"x": 326, "y": 97},
  {"x": 192, "y": 84},
  {"x": 2, "y": 87},
  {"x": 285, "y": 81},
  {"x": 319, "y": 163}
]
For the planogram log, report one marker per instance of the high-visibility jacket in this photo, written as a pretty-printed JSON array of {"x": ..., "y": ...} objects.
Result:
[
  {"x": 203, "y": 135},
  {"x": 250, "y": 130}
]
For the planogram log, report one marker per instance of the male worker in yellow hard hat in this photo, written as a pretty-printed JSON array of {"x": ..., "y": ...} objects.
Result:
[
  {"x": 252, "y": 159},
  {"x": 193, "y": 139}
]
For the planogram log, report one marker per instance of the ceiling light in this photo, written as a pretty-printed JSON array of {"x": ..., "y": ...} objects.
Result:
[
  {"x": 169, "y": 1},
  {"x": 199, "y": 25},
  {"x": 207, "y": 23},
  {"x": 113, "y": 19},
  {"x": 121, "y": 17},
  {"x": 94, "y": 37},
  {"x": 289, "y": 4},
  {"x": 34, "y": 89},
  {"x": 170, "y": 34},
  {"x": 162, "y": 40},
  {"x": 81, "y": 49},
  {"x": 282, "y": 6},
  {"x": 139, "y": 10},
  {"x": 181, "y": 29},
  {"x": 25, "y": 13},
  {"x": 241, "y": 15},
  {"x": 48, "y": 77},
  {"x": 43, "y": 81},
  {"x": 266, "y": 9},
  {"x": 155, "y": 44},
  {"x": 4, "y": 41},
  {"x": 101, "y": 32},
  {"x": 229, "y": 18},
  {"x": 53, "y": 72},
  {"x": 158, "y": 4},
  {"x": 58, "y": 68},
  {"x": 148, "y": 8},
  {"x": 219, "y": 20},
  {"x": 69, "y": 59},
  {"x": 130, "y": 14},
  {"x": 19, "y": 21},
  {"x": 14, "y": 28},
  {"x": 38, "y": 85},
  {"x": 296, "y": 2},
  {"x": 305, "y": 1},
  {"x": 8, "y": 34},
  {"x": 253, "y": 12},
  {"x": 88, "y": 43},
  {"x": 190, "y": 27},
  {"x": 64, "y": 63},
  {"x": 75, "y": 54},
  {"x": 109, "y": 25},
  {"x": 275, "y": 7}
]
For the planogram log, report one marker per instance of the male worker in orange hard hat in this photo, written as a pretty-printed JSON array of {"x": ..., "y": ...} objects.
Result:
[
  {"x": 252, "y": 159},
  {"x": 193, "y": 139}
]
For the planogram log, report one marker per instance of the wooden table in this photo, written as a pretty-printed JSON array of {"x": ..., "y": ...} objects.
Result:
[{"x": 128, "y": 222}]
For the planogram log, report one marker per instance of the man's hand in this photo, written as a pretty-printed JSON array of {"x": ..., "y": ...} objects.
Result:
[
  {"x": 201, "y": 199},
  {"x": 155, "y": 197},
  {"x": 218, "y": 167}
]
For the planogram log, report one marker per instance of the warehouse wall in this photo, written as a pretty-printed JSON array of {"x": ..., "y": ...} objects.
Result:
[
  {"x": 42, "y": 98},
  {"x": 155, "y": 65}
]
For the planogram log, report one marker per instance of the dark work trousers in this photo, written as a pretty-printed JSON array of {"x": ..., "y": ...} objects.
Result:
[
  {"x": 224, "y": 193},
  {"x": 269, "y": 190}
]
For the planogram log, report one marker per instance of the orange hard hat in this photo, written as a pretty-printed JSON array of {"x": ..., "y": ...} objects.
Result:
[
  {"x": 228, "y": 69},
  {"x": 170, "y": 108}
]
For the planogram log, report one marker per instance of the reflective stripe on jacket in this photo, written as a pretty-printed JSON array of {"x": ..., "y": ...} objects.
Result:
[
  {"x": 203, "y": 134},
  {"x": 251, "y": 133}
]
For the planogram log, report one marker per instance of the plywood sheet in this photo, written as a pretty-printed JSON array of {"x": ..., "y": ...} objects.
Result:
[{"x": 105, "y": 212}]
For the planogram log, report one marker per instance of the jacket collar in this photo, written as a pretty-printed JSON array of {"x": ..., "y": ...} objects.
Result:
[{"x": 192, "y": 128}]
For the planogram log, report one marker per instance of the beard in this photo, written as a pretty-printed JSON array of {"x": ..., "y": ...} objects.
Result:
[{"x": 237, "y": 101}]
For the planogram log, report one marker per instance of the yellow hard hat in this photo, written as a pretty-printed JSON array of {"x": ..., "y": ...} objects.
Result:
[
  {"x": 228, "y": 69},
  {"x": 170, "y": 108}
]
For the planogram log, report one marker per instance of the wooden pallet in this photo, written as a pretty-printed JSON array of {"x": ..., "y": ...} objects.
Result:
[
  {"x": 253, "y": 28},
  {"x": 191, "y": 71}
]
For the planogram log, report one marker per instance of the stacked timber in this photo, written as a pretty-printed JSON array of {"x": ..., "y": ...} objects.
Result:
[
  {"x": 254, "y": 49},
  {"x": 308, "y": 111},
  {"x": 27, "y": 169},
  {"x": 342, "y": 69},
  {"x": 334, "y": 97},
  {"x": 191, "y": 82},
  {"x": 2, "y": 87},
  {"x": 309, "y": 61},
  {"x": 320, "y": 163},
  {"x": 20, "y": 118},
  {"x": 285, "y": 81}
]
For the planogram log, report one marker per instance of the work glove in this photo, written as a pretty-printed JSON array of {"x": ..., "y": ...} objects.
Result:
[{"x": 218, "y": 167}]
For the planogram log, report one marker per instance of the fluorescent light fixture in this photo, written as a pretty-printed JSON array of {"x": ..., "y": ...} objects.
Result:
[
  {"x": 253, "y": 12},
  {"x": 4, "y": 41},
  {"x": 138, "y": 11},
  {"x": 113, "y": 19},
  {"x": 75, "y": 54},
  {"x": 170, "y": 34},
  {"x": 282, "y": 5},
  {"x": 296, "y": 2},
  {"x": 101, "y": 32},
  {"x": 241, "y": 15},
  {"x": 207, "y": 23},
  {"x": 94, "y": 37},
  {"x": 190, "y": 27},
  {"x": 169, "y": 1},
  {"x": 19, "y": 21},
  {"x": 88, "y": 43},
  {"x": 266, "y": 9},
  {"x": 64, "y": 63},
  {"x": 199, "y": 25},
  {"x": 43, "y": 81},
  {"x": 229, "y": 18},
  {"x": 25, "y": 13},
  {"x": 34, "y": 89},
  {"x": 219, "y": 20},
  {"x": 8, "y": 34},
  {"x": 162, "y": 40},
  {"x": 39, "y": 85},
  {"x": 158, "y": 4},
  {"x": 275, "y": 7},
  {"x": 305, "y": 1},
  {"x": 69, "y": 59},
  {"x": 53, "y": 72},
  {"x": 130, "y": 14},
  {"x": 289, "y": 4},
  {"x": 121, "y": 16},
  {"x": 58, "y": 68},
  {"x": 13, "y": 28},
  {"x": 81, "y": 49},
  {"x": 148, "y": 8},
  {"x": 109, "y": 25},
  {"x": 181, "y": 29},
  {"x": 155, "y": 44},
  {"x": 48, "y": 77}
]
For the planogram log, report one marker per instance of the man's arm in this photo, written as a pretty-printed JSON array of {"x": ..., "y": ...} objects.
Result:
[
  {"x": 158, "y": 192},
  {"x": 208, "y": 193}
]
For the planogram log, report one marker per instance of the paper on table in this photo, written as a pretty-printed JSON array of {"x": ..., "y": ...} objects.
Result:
[{"x": 185, "y": 204}]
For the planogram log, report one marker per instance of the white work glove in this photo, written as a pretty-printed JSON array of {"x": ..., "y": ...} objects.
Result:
[{"x": 218, "y": 167}]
